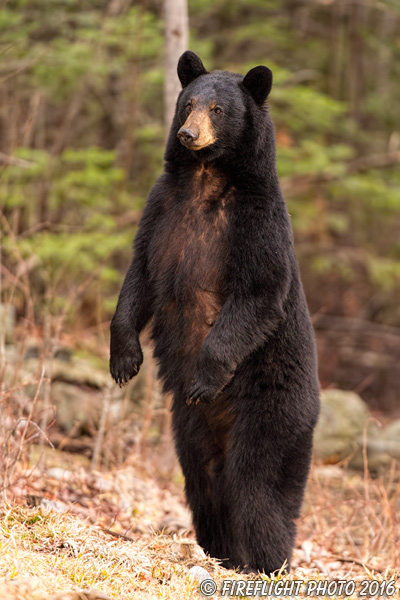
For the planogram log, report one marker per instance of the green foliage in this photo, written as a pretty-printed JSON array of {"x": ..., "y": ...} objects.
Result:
[
  {"x": 378, "y": 191},
  {"x": 82, "y": 114},
  {"x": 306, "y": 111},
  {"x": 82, "y": 186},
  {"x": 309, "y": 157},
  {"x": 385, "y": 274},
  {"x": 339, "y": 266}
]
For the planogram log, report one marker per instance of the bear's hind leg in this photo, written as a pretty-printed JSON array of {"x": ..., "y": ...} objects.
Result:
[
  {"x": 210, "y": 512},
  {"x": 265, "y": 486},
  {"x": 202, "y": 464}
]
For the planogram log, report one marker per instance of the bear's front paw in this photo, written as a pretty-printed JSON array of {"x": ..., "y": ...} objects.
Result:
[
  {"x": 211, "y": 376},
  {"x": 207, "y": 387},
  {"x": 201, "y": 391},
  {"x": 125, "y": 362},
  {"x": 123, "y": 368}
]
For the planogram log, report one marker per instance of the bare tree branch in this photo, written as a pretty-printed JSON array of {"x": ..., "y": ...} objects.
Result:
[{"x": 14, "y": 161}]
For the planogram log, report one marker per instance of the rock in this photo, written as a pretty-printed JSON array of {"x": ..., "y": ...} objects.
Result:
[
  {"x": 101, "y": 483},
  {"x": 380, "y": 454},
  {"x": 76, "y": 371},
  {"x": 307, "y": 547},
  {"x": 46, "y": 503},
  {"x": 340, "y": 426},
  {"x": 340, "y": 434},
  {"x": 177, "y": 518},
  {"x": 84, "y": 595},
  {"x": 383, "y": 445},
  {"x": 392, "y": 431},
  {"x": 20, "y": 588},
  {"x": 174, "y": 524},
  {"x": 79, "y": 371},
  {"x": 328, "y": 474},
  {"x": 75, "y": 405},
  {"x": 34, "y": 349},
  {"x": 199, "y": 574},
  {"x": 189, "y": 549},
  {"x": 60, "y": 473}
]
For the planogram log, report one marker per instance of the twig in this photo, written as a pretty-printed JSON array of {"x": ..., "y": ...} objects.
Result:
[
  {"x": 102, "y": 427},
  {"x": 11, "y": 468},
  {"x": 117, "y": 535},
  {"x": 10, "y": 392},
  {"x": 23, "y": 67},
  {"x": 356, "y": 561},
  {"x": 14, "y": 161},
  {"x": 149, "y": 406},
  {"x": 71, "y": 114},
  {"x": 23, "y": 274},
  {"x": 349, "y": 324}
]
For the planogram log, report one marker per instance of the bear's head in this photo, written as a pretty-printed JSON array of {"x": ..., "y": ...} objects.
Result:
[{"x": 214, "y": 110}]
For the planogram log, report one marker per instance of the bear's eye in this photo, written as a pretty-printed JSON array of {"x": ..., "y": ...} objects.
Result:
[
  {"x": 218, "y": 110},
  {"x": 188, "y": 107}
]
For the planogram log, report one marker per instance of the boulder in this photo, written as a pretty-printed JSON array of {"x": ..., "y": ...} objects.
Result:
[
  {"x": 75, "y": 407},
  {"x": 391, "y": 433},
  {"x": 340, "y": 426},
  {"x": 344, "y": 426},
  {"x": 383, "y": 446}
]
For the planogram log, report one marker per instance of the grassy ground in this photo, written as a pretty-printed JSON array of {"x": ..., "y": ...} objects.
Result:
[
  {"x": 77, "y": 540},
  {"x": 70, "y": 531},
  {"x": 44, "y": 553}
]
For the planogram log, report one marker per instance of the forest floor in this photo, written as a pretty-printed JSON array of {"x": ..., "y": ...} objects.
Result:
[{"x": 68, "y": 533}]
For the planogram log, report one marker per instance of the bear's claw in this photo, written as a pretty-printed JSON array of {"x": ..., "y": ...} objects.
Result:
[
  {"x": 123, "y": 369},
  {"x": 200, "y": 393}
]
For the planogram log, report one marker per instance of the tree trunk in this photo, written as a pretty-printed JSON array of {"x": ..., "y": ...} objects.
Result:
[{"x": 176, "y": 42}]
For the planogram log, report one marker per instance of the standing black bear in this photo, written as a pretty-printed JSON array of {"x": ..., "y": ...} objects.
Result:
[{"x": 214, "y": 266}]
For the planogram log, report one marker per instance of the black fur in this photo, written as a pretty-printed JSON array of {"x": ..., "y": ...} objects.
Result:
[
  {"x": 259, "y": 82},
  {"x": 215, "y": 269},
  {"x": 189, "y": 68}
]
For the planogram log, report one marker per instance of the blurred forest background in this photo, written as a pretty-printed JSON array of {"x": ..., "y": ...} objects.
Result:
[{"x": 82, "y": 136}]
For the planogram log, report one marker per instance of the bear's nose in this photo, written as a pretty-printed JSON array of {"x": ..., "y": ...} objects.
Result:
[{"x": 187, "y": 136}]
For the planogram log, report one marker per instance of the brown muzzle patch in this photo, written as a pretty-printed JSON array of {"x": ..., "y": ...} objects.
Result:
[{"x": 200, "y": 125}]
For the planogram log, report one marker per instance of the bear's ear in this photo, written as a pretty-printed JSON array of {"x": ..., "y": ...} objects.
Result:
[
  {"x": 189, "y": 68},
  {"x": 259, "y": 82}
]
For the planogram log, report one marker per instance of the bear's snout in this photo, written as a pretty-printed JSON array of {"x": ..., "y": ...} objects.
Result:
[
  {"x": 197, "y": 131},
  {"x": 187, "y": 136}
]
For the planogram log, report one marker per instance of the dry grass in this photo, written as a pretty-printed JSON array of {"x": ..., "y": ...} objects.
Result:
[
  {"x": 43, "y": 552},
  {"x": 349, "y": 530},
  {"x": 353, "y": 516}
]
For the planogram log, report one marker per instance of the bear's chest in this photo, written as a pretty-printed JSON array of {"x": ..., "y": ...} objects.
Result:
[{"x": 190, "y": 242}]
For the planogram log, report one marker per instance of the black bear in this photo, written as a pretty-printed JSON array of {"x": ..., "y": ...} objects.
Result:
[{"x": 215, "y": 269}]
